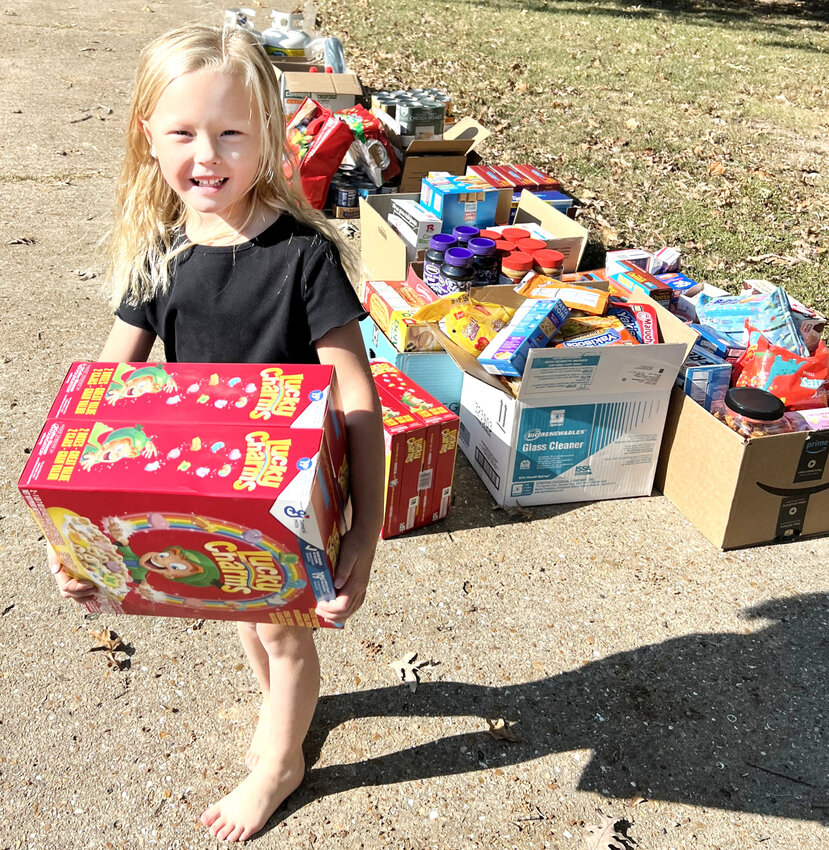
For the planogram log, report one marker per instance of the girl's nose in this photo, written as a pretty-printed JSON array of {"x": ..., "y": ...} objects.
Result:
[{"x": 206, "y": 150}]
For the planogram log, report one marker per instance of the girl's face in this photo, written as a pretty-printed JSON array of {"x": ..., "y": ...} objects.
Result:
[{"x": 206, "y": 135}]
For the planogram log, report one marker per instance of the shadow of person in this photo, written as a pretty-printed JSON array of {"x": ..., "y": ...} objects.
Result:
[{"x": 725, "y": 720}]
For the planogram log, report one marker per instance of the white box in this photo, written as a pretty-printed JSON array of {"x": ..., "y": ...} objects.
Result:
[{"x": 584, "y": 425}]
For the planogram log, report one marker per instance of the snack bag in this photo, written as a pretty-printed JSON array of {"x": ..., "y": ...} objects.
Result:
[
  {"x": 799, "y": 382},
  {"x": 469, "y": 323},
  {"x": 371, "y": 148},
  {"x": 592, "y": 331},
  {"x": 584, "y": 298},
  {"x": 770, "y": 314},
  {"x": 317, "y": 141}
]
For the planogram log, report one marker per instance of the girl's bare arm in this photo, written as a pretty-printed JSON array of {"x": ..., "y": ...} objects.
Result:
[{"x": 343, "y": 348}]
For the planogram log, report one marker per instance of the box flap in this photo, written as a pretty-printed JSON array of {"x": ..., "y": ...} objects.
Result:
[
  {"x": 468, "y": 129},
  {"x": 570, "y": 236},
  {"x": 438, "y": 147},
  {"x": 330, "y": 84},
  {"x": 383, "y": 252}
]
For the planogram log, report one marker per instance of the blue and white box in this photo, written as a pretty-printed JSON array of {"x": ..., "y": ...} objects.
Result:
[
  {"x": 704, "y": 377},
  {"x": 534, "y": 324}
]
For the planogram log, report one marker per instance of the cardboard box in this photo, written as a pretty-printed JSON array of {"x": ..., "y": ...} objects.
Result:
[
  {"x": 236, "y": 521},
  {"x": 333, "y": 91},
  {"x": 392, "y": 312},
  {"x": 740, "y": 492},
  {"x": 293, "y": 396},
  {"x": 384, "y": 252},
  {"x": 420, "y": 156},
  {"x": 584, "y": 425},
  {"x": 704, "y": 377},
  {"x": 435, "y": 371},
  {"x": 425, "y": 481},
  {"x": 458, "y": 200}
]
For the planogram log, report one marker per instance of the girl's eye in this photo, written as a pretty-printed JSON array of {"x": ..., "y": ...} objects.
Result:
[
  {"x": 230, "y": 133},
  {"x": 181, "y": 132}
]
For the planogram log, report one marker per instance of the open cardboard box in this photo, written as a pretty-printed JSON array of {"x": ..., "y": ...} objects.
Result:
[
  {"x": 740, "y": 492},
  {"x": 384, "y": 252},
  {"x": 585, "y": 424},
  {"x": 420, "y": 156}
]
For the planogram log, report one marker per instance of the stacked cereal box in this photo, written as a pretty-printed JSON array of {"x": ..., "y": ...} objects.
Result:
[
  {"x": 421, "y": 443},
  {"x": 195, "y": 490}
]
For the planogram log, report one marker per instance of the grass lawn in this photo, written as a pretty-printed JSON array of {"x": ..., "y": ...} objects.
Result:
[{"x": 700, "y": 125}]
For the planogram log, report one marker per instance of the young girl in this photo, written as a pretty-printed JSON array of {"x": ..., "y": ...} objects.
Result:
[{"x": 215, "y": 252}]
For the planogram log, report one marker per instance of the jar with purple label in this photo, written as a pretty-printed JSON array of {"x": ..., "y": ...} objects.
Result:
[
  {"x": 485, "y": 264},
  {"x": 456, "y": 273},
  {"x": 463, "y": 233},
  {"x": 439, "y": 244}
]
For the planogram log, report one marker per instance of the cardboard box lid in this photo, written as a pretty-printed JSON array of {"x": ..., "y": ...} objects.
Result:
[
  {"x": 327, "y": 84},
  {"x": 460, "y": 138},
  {"x": 556, "y": 373}
]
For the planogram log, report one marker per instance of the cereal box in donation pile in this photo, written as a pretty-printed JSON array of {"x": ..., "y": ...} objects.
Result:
[
  {"x": 421, "y": 443},
  {"x": 240, "y": 520}
]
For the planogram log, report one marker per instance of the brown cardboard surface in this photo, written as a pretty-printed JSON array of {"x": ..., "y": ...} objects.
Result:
[
  {"x": 383, "y": 252},
  {"x": 714, "y": 477},
  {"x": 325, "y": 84},
  {"x": 570, "y": 237}
]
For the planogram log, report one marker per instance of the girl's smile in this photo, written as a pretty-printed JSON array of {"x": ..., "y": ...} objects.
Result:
[{"x": 206, "y": 135}]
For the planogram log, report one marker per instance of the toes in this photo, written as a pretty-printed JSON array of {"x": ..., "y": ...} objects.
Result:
[
  {"x": 210, "y": 814},
  {"x": 218, "y": 826},
  {"x": 236, "y": 834},
  {"x": 223, "y": 834}
]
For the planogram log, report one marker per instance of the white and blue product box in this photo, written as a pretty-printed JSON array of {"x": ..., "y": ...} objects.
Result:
[
  {"x": 534, "y": 324},
  {"x": 585, "y": 425},
  {"x": 704, "y": 377},
  {"x": 435, "y": 371}
]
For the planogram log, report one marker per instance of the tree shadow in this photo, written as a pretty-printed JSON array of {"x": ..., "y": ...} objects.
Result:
[
  {"x": 784, "y": 15},
  {"x": 725, "y": 720}
]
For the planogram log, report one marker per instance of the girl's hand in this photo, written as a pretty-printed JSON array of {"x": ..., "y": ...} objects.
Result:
[
  {"x": 351, "y": 578},
  {"x": 69, "y": 588}
]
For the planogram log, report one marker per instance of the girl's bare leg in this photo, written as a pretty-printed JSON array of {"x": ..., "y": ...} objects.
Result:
[
  {"x": 258, "y": 660},
  {"x": 294, "y": 680}
]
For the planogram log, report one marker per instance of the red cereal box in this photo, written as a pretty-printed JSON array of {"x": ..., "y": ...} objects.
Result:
[
  {"x": 398, "y": 424},
  {"x": 238, "y": 521},
  {"x": 435, "y": 448},
  {"x": 293, "y": 396}
]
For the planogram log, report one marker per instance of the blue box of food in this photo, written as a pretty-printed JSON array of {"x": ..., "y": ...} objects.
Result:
[
  {"x": 704, "y": 377},
  {"x": 457, "y": 200},
  {"x": 435, "y": 371}
]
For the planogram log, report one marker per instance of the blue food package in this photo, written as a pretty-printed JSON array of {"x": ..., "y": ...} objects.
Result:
[{"x": 770, "y": 314}]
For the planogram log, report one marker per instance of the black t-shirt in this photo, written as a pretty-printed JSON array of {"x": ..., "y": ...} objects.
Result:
[{"x": 264, "y": 301}]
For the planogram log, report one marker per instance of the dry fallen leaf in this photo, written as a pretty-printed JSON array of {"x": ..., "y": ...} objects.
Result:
[
  {"x": 502, "y": 731},
  {"x": 609, "y": 834},
  {"x": 110, "y": 643},
  {"x": 716, "y": 168},
  {"x": 407, "y": 671},
  {"x": 22, "y": 240},
  {"x": 86, "y": 274}
]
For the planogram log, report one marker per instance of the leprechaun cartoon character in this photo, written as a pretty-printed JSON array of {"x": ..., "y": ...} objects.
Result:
[
  {"x": 106, "y": 445},
  {"x": 130, "y": 382}
]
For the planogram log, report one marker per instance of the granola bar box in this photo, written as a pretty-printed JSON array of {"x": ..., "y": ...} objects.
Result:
[
  {"x": 290, "y": 395},
  {"x": 236, "y": 521}
]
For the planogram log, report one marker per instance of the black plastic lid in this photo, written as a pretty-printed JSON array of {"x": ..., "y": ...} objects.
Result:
[{"x": 754, "y": 403}]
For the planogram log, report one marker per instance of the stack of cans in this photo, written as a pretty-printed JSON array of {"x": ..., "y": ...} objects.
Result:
[{"x": 421, "y": 113}]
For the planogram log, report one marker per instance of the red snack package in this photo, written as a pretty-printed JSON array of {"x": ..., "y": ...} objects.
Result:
[
  {"x": 318, "y": 141},
  {"x": 799, "y": 382}
]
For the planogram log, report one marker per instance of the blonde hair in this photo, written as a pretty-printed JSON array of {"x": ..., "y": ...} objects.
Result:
[{"x": 148, "y": 212}]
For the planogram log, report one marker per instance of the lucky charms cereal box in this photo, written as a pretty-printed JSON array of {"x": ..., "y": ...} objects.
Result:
[{"x": 169, "y": 514}]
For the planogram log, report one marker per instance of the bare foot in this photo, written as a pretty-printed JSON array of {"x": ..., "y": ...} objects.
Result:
[
  {"x": 260, "y": 738},
  {"x": 246, "y": 809}
]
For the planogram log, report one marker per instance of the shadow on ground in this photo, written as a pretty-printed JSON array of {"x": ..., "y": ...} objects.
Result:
[
  {"x": 782, "y": 15},
  {"x": 726, "y": 720}
]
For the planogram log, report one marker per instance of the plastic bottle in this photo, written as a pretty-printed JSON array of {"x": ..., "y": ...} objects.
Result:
[
  {"x": 484, "y": 262},
  {"x": 285, "y": 36},
  {"x": 463, "y": 233},
  {"x": 530, "y": 245},
  {"x": 753, "y": 412},
  {"x": 456, "y": 273},
  {"x": 515, "y": 234},
  {"x": 243, "y": 19},
  {"x": 433, "y": 259}
]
